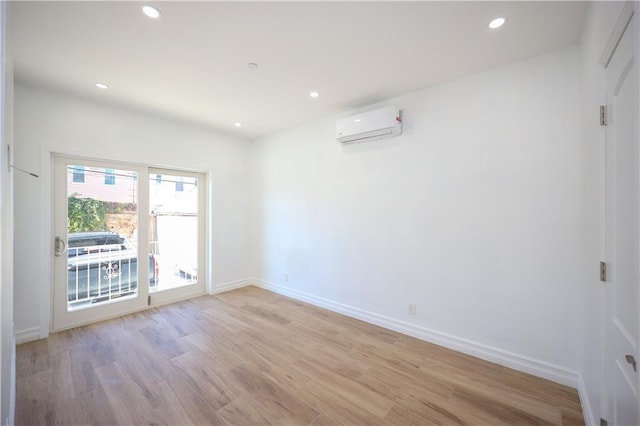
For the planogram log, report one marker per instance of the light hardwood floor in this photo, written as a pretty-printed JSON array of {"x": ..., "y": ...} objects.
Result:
[{"x": 254, "y": 357}]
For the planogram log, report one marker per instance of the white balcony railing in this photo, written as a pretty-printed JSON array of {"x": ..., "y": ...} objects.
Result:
[{"x": 100, "y": 273}]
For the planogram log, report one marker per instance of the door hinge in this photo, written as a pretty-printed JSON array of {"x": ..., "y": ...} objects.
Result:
[
  {"x": 603, "y": 115},
  {"x": 603, "y": 272},
  {"x": 603, "y": 422},
  {"x": 149, "y": 300}
]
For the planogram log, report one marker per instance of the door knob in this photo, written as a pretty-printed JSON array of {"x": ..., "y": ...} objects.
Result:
[{"x": 631, "y": 360}]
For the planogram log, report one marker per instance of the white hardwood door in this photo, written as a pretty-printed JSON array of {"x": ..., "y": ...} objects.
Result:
[{"x": 622, "y": 322}]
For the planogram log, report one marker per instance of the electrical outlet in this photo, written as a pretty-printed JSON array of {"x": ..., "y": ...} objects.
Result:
[
  {"x": 412, "y": 309},
  {"x": 286, "y": 277}
]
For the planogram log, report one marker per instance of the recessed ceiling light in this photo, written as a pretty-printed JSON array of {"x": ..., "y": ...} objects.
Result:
[
  {"x": 252, "y": 66},
  {"x": 496, "y": 23},
  {"x": 238, "y": 124},
  {"x": 314, "y": 94},
  {"x": 102, "y": 86},
  {"x": 151, "y": 12}
]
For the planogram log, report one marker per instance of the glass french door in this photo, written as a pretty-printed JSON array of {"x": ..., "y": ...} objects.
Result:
[
  {"x": 125, "y": 237},
  {"x": 176, "y": 224}
]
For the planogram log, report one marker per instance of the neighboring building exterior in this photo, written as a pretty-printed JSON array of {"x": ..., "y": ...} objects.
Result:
[
  {"x": 102, "y": 184},
  {"x": 168, "y": 193}
]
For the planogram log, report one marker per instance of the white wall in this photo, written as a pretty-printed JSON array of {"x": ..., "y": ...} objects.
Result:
[
  {"x": 7, "y": 340},
  {"x": 473, "y": 214},
  {"x": 49, "y": 121},
  {"x": 600, "y": 21}
]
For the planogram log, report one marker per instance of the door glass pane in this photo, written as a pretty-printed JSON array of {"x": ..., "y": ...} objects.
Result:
[
  {"x": 173, "y": 230},
  {"x": 102, "y": 221}
]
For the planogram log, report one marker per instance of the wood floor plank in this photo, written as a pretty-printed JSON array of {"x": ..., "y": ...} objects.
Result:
[
  {"x": 191, "y": 397},
  {"x": 82, "y": 372},
  {"x": 476, "y": 366},
  {"x": 34, "y": 401},
  {"x": 167, "y": 409},
  {"x": 490, "y": 392},
  {"x": 275, "y": 403},
  {"x": 250, "y": 356},
  {"x": 274, "y": 369},
  {"x": 217, "y": 391},
  {"x": 428, "y": 412},
  {"x": 141, "y": 367},
  {"x": 129, "y": 403},
  {"x": 406, "y": 388},
  {"x": 32, "y": 358},
  {"x": 552, "y": 393},
  {"x": 243, "y": 411},
  {"x": 357, "y": 394},
  {"x": 335, "y": 361},
  {"x": 89, "y": 408},
  {"x": 101, "y": 348},
  {"x": 222, "y": 359},
  {"x": 157, "y": 338},
  {"x": 334, "y": 409},
  {"x": 493, "y": 410},
  {"x": 572, "y": 417}
]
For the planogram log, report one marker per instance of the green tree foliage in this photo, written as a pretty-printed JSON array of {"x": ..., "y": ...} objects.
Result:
[{"x": 86, "y": 214}]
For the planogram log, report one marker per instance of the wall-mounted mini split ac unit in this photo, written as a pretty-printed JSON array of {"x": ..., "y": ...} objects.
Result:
[{"x": 377, "y": 124}]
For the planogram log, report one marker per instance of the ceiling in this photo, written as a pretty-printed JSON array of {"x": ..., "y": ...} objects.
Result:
[{"x": 191, "y": 63}]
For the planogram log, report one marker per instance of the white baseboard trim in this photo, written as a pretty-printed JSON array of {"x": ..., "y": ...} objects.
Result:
[
  {"x": 232, "y": 285},
  {"x": 508, "y": 359},
  {"x": 12, "y": 380},
  {"x": 28, "y": 335},
  {"x": 589, "y": 418}
]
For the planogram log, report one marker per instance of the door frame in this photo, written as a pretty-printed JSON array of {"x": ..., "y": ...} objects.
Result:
[{"x": 46, "y": 256}]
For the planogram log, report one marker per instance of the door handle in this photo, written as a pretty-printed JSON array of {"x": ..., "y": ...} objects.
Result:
[
  {"x": 631, "y": 360},
  {"x": 61, "y": 247}
]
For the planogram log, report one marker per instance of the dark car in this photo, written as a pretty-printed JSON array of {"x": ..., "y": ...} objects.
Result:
[{"x": 102, "y": 266}]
